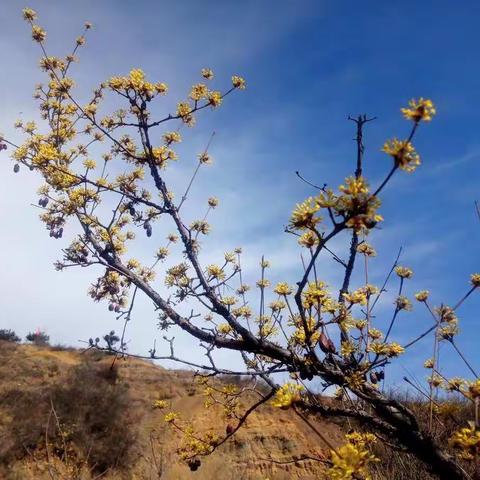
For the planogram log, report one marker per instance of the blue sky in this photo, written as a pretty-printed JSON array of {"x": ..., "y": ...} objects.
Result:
[{"x": 308, "y": 64}]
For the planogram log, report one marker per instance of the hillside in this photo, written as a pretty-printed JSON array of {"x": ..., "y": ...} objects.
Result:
[{"x": 64, "y": 404}]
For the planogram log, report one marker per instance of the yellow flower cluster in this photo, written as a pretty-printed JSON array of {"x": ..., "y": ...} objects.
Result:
[
  {"x": 475, "y": 279},
  {"x": 351, "y": 460},
  {"x": 366, "y": 249},
  {"x": 29, "y": 14},
  {"x": 38, "y": 33},
  {"x": 283, "y": 288},
  {"x": 403, "y": 154},
  {"x": 198, "y": 92},
  {"x": 245, "y": 311},
  {"x": 215, "y": 272},
  {"x": 160, "y": 404},
  {"x": 474, "y": 389},
  {"x": 308, "y": 239},
  {"x": 299, "y": 336},
  {"x": 303, "y": 216},
  {"x": 207, "y": 73},
  {"x": 286, "y": 395},
  {"x": 421, "y": 109},
  {"x": 448, "y": 321},
  {"x": 177, "y": 275},
  {"x": 422, "y": 296},
  {"x": 348, "y": 348},
  {"x": 358, "y": 296},
  {"x": 315, "y": 294},
  {"x": 404, "y": 272},
  {"x": 403, "y": 303},
  {"x": 467, "y": 442},
  {"x": 137, "y": 82},
  {"x": 193, "y": 445},
  {"x": 389, "y": 350},
  {"x": 238, "y": 82},
  {"x": 170, "y": 417},
  {"x": 224, "y": 328}
]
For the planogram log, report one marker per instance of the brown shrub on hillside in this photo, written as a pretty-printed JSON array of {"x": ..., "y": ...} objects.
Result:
[{"x": 83, "y": 418}]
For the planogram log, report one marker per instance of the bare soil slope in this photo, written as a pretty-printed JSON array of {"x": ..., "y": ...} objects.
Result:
[{"x": 44, "y": 391}]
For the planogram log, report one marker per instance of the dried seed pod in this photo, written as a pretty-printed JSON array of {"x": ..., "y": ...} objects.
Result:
[
  {"x": 193, "y": 464},
  {"x": 229, "y": 429},
  {"x": 326, "y": 345}
]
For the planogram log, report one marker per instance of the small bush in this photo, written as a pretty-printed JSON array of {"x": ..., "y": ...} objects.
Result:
[
  {"x": 60, "y": 347},
  {"x": 94, "y": 407},
  {"x": 38, "y": 338},
  {"x": 94, "y": 419},
  {"x": 9, "y": 335}
]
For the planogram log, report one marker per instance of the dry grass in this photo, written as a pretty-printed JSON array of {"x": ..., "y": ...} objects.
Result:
[
  {"x": 108, "y": 417},
  {"x": 31, "y": 375}
]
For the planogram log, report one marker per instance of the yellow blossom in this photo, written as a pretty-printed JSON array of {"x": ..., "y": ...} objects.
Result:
[
  {"x": 263, "y": 283},
  {"x": 354, "y": 186},
  {"x": 347, "y": 348},
  {"x": 375, "y": 333},
  {"x": 205, "y": 158},
  {"x": 207, "y": 73},
  {"x": 216, "y": 272},
  {"x": 467, "y": 442},
  {"x": 215, "y": 98},
  {"x": 29, "y": 14},
  {"x": 356, "y": 297},
  {"x": 403, "y": 303},
  {"x": 137, "y": 78},
  {"x": 475, "y": 279},
  {"x": 366, "y": 249},
  {"x": 162, "y": 253},
  {"x": 308, "y": 239},
  {"x": 199, "y": 91},
  {"x": 403, "y": 153},
  {"x": 303, "y": 216},
  {"x": 160, "y": 404},
  {"x": 421, "y": 109},
  {"x": 282, "y": 288},
  {"x": 172, "y": 137},
  {"x": 474, "y": 389},
  {"x": 238, "y": 82},
  {"x": 38, "y": 33},
  {"x": 429, "y": 363},
  {"x": 161, "y": 88},
  {"x": 422, "y": 296},
  {"x": 224, "y": 328},
  {"x": 213, "y": 202},
  {"x": 404, "y": 272},
  {"x": 170, "y": 417},
  {"x": 351, "y": 460},
  {"x": 286, "y": 395}
]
